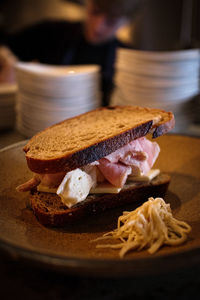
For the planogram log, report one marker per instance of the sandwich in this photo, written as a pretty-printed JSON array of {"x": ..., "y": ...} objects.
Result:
[{"x": 95, "y": 161}]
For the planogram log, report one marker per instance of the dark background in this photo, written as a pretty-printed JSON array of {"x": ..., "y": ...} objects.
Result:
[{"x": 160, "y": 25}]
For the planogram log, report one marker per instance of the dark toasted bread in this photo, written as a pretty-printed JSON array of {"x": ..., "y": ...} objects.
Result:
[
  {"x": 50, "y": 210},
  {"x": 81, "y": 140}
]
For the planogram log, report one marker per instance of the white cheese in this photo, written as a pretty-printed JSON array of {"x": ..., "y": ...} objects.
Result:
[
  {"x": 148, "y": 177},
  {"x": 101, "y": 188},
  {"x": 46, "y": 189},
  {"x": 105, "y": 188},
  {"x": 77, "y": 184},
  {"x": 75, "y": 187}
]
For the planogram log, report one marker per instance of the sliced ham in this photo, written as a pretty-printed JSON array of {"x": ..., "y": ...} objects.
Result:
[
  {"x": 140, "y": 154},
  {"x": 28, "y": 185},
  {"x": 49, "y": 180},
  {"x": 133, "y": 150},
  {"x": 135, "y": 158},
  {"x": 152, "y": 150},
  {"x": 115, "y": 173}
]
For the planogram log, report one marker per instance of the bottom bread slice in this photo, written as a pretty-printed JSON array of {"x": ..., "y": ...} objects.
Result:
[{"x": 50, "y": 210}]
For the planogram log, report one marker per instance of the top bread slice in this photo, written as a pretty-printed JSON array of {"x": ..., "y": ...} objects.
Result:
[{"x": 86, "y": 138}]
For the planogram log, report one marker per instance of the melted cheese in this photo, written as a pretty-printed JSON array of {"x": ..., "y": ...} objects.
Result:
[
  {"x": 145, "y": 178},
  {"x": 46, "y": 189},
  {"x": 105, "y": 188},
  {"x": 77, "y": 184},
  {"x": 101, "y": 188}
]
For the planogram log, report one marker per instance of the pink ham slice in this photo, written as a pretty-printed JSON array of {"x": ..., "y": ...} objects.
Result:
[
  {"x": 134, "y": 149},
  {"x": 115, "y": 173},
  {"x": 138, "y": 156},
  {"x": 49, "y": 180},
  {"x": 28, "y": 185}
]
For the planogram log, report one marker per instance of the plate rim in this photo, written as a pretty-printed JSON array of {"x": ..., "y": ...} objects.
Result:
[
  {"x": 101, "y": 266},
  {"x": 106, "y": 267}
]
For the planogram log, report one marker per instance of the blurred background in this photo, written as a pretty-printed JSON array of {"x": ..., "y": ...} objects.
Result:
[{"x": 159, "y": 26}]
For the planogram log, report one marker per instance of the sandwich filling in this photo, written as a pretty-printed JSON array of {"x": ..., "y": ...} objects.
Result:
[{"x": 132, "y": 162}]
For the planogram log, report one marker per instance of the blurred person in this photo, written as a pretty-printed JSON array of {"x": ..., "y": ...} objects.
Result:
[{"x": 60, "y": 42}]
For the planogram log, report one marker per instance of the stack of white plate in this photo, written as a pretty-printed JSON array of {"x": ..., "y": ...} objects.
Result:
[
  {"x": 166, "y": 80},
  {"x": 7, "y": 105},
  {"x": 50, "y": 94}
]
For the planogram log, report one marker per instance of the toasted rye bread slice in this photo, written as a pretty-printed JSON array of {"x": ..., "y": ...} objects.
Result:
[
  {"x": 50, "y": 211},
  {"x": 88, "y": 137}
]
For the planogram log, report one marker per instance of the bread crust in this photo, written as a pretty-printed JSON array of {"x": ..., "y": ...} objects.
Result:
[
  {"x": 100, "y": 148},
  {"x": 50, "y": 211},
  {"x": 164, "y": 126},
  {"x": 89, "y": 154}
]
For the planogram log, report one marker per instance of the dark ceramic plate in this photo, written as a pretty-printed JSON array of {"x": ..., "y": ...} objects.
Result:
[{"x": 70, "y": 249}]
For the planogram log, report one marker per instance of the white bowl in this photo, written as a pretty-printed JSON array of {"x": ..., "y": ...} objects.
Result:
[
  {"x": 145, "y": 81},
  {"x": 182, "y": 55},
  {"x": 51, "y": 71},
  {"x": 163, "y": 70}
]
